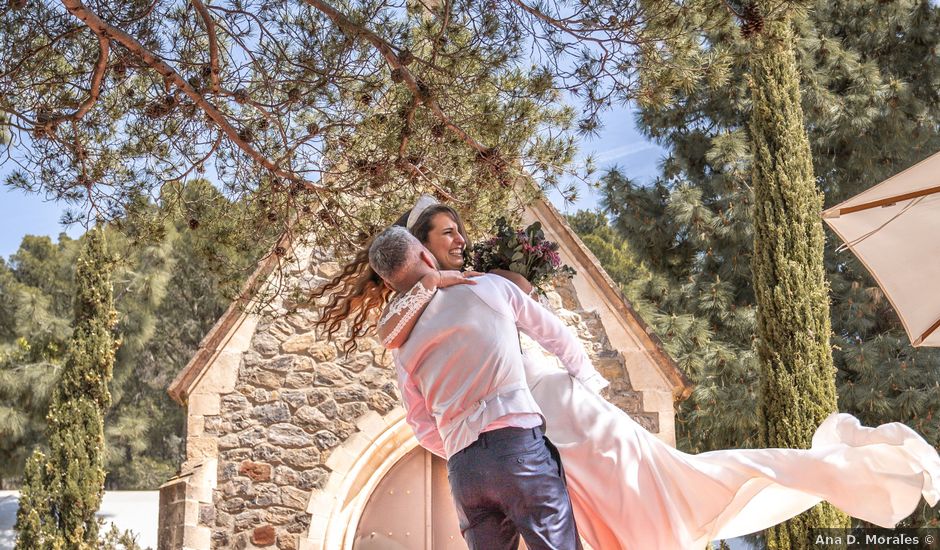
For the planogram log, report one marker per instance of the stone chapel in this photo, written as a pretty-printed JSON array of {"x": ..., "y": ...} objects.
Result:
[{"x": 292, "y": 446}]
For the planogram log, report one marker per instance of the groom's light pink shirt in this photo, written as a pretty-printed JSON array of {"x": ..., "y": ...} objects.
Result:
[{"x": 460, "y": 372}]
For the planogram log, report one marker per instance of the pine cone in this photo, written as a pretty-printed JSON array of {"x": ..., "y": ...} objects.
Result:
[
  {"x": 424, "y": 91},
  {"x": 241, "y": 96},
  {"x": 327, "y": 218},
  {"x": 156, "y": 109},
  {"x": 753, "y": 21}
]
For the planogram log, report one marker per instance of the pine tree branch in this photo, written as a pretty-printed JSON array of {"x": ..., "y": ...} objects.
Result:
[
  {"x": 213, "y": 43},
  {"x": 563, "y": 25},
  {"x": 406, "y": 131},
  {"x": 394, "y": 61},
  {"x": 445, "y": 22},
  {"x": 731, "y": 9},
  {"x": 99, "y": 26},
  {"x": 262, "y": 28},
  {"x": 101, "y": 66},
  {"x": 143, "y": 14},
  {"x": 203, "y": 159},
  {"x": 49, "y": 43}
]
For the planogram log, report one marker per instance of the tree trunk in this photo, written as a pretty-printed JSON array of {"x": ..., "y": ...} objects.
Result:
[{"x": 797, "y": 374}]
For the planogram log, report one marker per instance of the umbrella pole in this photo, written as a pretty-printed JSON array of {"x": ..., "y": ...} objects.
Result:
[
  {"x": 884, "y": 202},
  {"x": 927, "y": 333}
]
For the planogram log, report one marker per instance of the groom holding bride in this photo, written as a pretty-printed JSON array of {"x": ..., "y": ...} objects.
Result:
[
  {"x": 462, "y": 379},
  {"x": 504, "y": 417}
]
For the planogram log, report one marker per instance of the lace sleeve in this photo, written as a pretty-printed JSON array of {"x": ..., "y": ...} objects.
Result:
[{"x": 402, "y": 313}]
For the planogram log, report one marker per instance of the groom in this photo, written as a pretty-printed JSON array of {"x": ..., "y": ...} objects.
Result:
[{"x": 463, "y": 383}]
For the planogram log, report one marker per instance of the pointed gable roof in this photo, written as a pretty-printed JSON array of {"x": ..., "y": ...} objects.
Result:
[{"x": 554, "y": 224}]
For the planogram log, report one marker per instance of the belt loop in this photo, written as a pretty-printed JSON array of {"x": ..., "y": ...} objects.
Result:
[
  {"x": 535, "y": 433},
  {"x": 483, "y": 439}
]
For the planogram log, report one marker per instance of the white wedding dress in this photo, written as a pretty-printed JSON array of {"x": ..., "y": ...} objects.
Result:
[{"x": 632, "y": 491}]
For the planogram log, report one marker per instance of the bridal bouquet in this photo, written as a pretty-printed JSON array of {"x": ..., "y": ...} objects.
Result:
[{"x": 524, "y": 251}]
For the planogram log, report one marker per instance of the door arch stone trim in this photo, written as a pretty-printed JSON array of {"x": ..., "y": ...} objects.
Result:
[{"x": 357, "y": 466}]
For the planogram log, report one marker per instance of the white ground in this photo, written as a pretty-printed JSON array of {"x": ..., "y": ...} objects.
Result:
[{"x": 134, "y": 510}]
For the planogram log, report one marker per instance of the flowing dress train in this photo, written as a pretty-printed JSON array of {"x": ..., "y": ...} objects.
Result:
[{"x": 632, "y": 491}]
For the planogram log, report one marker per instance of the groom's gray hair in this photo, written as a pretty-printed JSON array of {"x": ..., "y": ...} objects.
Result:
[{"x": 392, "y": 251}]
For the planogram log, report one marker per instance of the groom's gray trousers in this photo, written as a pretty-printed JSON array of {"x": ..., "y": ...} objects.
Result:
[{"x": 510, "y": 482}]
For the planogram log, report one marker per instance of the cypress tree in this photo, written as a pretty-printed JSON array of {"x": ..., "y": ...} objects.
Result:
[
  {"x": 62, "y": 490},
  {"x": 168, "y": 290},
  {"x": 870, "y": 102},
  {"x": 870, "y": 108},
  {"x": 797, "y": 377}
]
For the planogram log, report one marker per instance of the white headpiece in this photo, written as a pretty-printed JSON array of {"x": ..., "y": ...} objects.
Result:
[{"x": 424, "y": 201}]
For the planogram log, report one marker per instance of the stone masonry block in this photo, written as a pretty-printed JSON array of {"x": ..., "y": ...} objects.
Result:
[
  {"x": 255, "y": 471},
  {"x": 198, "y": 448},
  {"x": 195, "y": 425},
  {"x": 301, "y": 343},
  {"x": 197, "y": 537},
  {"x": 223, "y": 374},
  {"x": 204, "y": 404},
  {"x": 356, "y": 444},
  {"x": 321, "y": 503},
  {"x": 394, "y": 415},
  {"x": 263, "y": 536},
  {"x": 371, "y": 424}
]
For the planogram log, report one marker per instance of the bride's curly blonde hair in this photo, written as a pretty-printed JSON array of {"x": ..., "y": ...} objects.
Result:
[{"x": 357, "y": 292}]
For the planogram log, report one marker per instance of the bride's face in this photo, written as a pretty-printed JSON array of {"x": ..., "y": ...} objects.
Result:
[{"x": 445, "y": 242}]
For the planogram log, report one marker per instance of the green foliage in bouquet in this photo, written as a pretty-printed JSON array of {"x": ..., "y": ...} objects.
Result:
[{"x": 523, "y": 251}]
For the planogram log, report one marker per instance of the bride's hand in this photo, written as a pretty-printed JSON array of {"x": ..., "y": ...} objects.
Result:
[
  {"x": 515, "y": 278},
  {"x": 453, "y": 277}
]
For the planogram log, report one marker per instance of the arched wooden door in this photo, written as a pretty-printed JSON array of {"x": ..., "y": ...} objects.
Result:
[{"x": 411, "y": 508}]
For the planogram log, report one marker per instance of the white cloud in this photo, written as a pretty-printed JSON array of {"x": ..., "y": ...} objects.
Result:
[{"x": 610, "y": 155}]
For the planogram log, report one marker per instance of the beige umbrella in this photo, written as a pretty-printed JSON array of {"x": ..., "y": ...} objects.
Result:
[{"x": 894, "y": 229}]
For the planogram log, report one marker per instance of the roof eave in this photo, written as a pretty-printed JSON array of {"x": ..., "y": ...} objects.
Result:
[{"x": 682, "y": 386}]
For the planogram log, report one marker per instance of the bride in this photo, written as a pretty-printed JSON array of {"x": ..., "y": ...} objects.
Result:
[{"x": 632, "y": 491}]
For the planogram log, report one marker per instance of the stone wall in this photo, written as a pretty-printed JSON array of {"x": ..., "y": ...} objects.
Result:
[
  {"x": 295, "y": 400},
  {"x": 172, "y": 514},
  {"x": 607, "y": 360}
]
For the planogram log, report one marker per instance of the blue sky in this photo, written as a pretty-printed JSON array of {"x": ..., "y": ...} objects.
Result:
[{"x": 618, "y": 144}]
